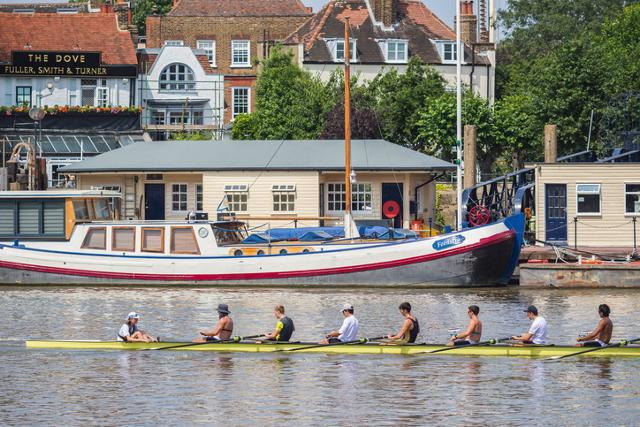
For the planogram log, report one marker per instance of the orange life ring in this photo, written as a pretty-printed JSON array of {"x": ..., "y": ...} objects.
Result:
[{"x": 391, "y": 209}]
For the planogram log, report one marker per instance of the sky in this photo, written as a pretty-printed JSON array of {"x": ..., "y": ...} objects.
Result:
[{"x": 445, "y": 9}]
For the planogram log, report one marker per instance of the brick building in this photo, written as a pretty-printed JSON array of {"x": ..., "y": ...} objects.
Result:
[{"x": 236, "y": 34}]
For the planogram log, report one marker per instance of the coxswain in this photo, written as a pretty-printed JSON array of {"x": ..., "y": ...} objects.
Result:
[
  {"x": 129, "y": 331},
  {"x": 601, "y": 335},
  {"x": 223, "y": 329},
  {"x": 537, "y": 331},
  {"x": 284, "y": 326},
  {"x": 473, "y": 334},
  {"x": 410, "y": 327},
  {"x": 349, "y": 329}
]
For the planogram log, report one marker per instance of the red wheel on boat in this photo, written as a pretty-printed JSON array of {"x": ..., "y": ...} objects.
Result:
[
  {"x": 479, "y": 215},
  {"x": 391, "y": 209}
]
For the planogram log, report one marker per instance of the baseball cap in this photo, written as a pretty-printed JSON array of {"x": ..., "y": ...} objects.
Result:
[
  {"x": 347, "y": 306},
  {"x": 531, "y": 309},
  {"x": 133, "y": 315}
]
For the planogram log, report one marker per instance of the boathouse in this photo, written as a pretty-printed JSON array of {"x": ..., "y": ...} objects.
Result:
[{"x": 281, "y": 182}]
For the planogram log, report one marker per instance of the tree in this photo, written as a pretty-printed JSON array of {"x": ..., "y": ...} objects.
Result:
[
  {"x": 144, "y": 8},
  {"x": 290, "y": 103}
]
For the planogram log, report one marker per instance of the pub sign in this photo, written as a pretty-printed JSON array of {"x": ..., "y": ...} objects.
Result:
[{"x": 71, "y": 64}]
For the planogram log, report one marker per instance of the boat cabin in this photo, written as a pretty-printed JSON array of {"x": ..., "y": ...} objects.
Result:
[{"x": 52, "y": 215}]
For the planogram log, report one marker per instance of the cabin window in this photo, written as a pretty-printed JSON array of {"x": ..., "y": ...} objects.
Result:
[
  {"x": 7, "y": 219},
  {"x": 237, "y": 197},
  {"x": 53, "y": 218},
  {"x": 632, "y": 199},
  {"x": 153, "y": 239},
  {"x": 123, "y": 239},
  {"x": 96, "y": 238},
  {"x": 283, "y": 197},
  {"x": 80, "y": 209},
  {"x": 101, "y": 209},
  {"x": 588, "y": 196},
  {"x": 361, "y": 197},
  {"x": 183, "y": 241},
  {"x": 28, "y": 218},
  {"x": 41, "y": 218},
  {"x": 179, "y": 197}
]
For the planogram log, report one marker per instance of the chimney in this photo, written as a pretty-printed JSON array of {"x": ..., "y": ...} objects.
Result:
[
  {"x": 468, "y": 22},
  {"x": 153, "y": 33},
  {"x": 122, "y": 12},
  {"x": 384, "y": 11}
]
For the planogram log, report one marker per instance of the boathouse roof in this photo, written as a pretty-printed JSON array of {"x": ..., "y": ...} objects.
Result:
[{"x": 317, "y": 155}]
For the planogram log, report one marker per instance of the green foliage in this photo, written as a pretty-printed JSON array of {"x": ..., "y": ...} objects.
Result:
[
  {"x": 144, "y": 8},
  {"x": 192, "y": 136},
  {"x": 517, "y": 127}
]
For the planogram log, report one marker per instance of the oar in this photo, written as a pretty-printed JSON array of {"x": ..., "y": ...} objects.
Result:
[
  {"x": 193, "y": 344},
  {"x": 359, "y": 341},
  {"x": 489, "y": 342},
  {"x": 620, "y": 344}
]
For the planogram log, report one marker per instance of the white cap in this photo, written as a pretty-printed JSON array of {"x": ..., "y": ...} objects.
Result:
[
  {"x": 133, "y": 315},
  {"x": 347, "y": 306}
]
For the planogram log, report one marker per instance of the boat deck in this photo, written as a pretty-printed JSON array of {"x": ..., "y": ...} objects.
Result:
[{"x": 503, "y": 350}]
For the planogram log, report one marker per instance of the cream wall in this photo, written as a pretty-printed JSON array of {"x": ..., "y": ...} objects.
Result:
[
  {"x": 612, "y": 227},
  {"x": 260, "y": 200}
]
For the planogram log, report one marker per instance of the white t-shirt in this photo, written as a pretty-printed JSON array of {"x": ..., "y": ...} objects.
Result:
[
  {"x": 124, "y": 331},
  {"x": 539, "y": 330},
  {"x": 349, "y": 329}
]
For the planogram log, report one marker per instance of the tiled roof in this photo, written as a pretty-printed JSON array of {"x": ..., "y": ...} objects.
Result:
[
  {"x": 415, "y": 23},
  {"x": 89, "y": 32},
  {"x": 239, "y": 8}
]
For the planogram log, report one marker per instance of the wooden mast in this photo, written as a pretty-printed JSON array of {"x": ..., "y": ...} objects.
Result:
[{"x": 347, "y": 118}]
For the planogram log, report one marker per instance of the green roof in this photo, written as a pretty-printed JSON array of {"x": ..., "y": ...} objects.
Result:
[{"x": 318, "y": 155}]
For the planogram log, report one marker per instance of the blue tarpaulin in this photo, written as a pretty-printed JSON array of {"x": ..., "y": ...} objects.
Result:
[{"x": 326, "y": 233}]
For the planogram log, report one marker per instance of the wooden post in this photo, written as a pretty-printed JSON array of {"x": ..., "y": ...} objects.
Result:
[
  {"x": 550, "y": 143},
  {"x": 470, "y": 137},
  {"x": 347, "y": 117}
]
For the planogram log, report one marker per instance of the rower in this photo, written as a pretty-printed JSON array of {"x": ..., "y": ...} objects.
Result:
[
  {"x": 537, "y": 331},
  {"x": 129, "y": 331},
  {"x": 601, "y": 335},
  {"x": 474, "y": 331},
  {"x": 410, "y": 327},
  {"x": 284, "y": 326},
  {"x": 222, "y": 330},
  {"x": 349, "y": 329}
]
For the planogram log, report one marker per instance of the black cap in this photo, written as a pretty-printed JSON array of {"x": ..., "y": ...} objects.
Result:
[
  {"x": 531, "y": 309},
  {"x": 223, "y": 308}
]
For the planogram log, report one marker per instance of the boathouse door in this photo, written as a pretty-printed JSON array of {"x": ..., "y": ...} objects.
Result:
[
  {"x": 154, "y": 201},
  {"x": 555, "y": 212},
  {"x": 392, "y": 202}
]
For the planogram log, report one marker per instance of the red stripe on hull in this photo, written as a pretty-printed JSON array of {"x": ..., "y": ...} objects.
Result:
[{"x": 488, "y": 241}]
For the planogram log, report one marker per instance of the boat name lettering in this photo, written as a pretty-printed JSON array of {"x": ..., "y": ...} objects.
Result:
[{"x": 441, "y": 244}]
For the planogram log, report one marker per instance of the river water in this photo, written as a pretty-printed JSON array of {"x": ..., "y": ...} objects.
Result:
[{"x": 52, "y": 387}]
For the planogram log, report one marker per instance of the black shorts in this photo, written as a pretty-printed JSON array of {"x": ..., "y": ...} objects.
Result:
[
  {"x": 211, "y": 339},
  {"x": 333, "y": 340},
  {"x": 592, "y": 344},
  {"x": 461, "y": 342}
]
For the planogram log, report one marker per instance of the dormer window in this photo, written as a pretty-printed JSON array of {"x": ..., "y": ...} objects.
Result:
[
  {"x": 394, "y": 51},
  {"x": 336, "y": 46},
  {"x": 174, "y": 43},
  {"x": 448, "y": 52}
]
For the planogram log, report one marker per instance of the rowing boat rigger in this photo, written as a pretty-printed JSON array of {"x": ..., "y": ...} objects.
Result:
[{"x": 503, "y": 350}]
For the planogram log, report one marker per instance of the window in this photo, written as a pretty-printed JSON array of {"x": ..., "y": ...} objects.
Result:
[
  {"x": 632, "y": 198},
  {"x": 103, "y": 96},
  {"x": 209, "y": 46},
  {"x": 179, "y": 197},
  {"x": 32, "y": 218},
  {"x": 199, "y": 197},
  {"x": 360, "y": 197},
  {"x": 449, "y": 51},
  {"x": 101, "y": 209},
  {"x": 237, "y": 197},
  {"x": 240, "y": 53},
  {"x": 152, "y": 239},
  {"x": 123, "y": 239},
  {"x": 177, "y": 77},
  {"x": 23, "y": 96},
  {"x": 53, "y": 219},
  {"x": 80, "y": 209},
  {"x": 339, "y": 50},
  {"x": 96, "y": 238},
  {"x": 241, "y": 101},
  {"x": 183, "y": 241},
  {"x": 88, "y": 91},
  {"x": 174, "y": 43},
  {"x": 588, "y": 199},
  {"x": 283, "y": 197},
  {"x": 396, "y": 51}
]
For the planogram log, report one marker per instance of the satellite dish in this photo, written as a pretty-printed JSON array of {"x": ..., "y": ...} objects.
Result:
[{"x": 36, "y": 114}]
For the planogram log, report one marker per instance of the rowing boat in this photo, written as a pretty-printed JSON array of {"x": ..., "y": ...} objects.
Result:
[{"x": 503, "y": 350}]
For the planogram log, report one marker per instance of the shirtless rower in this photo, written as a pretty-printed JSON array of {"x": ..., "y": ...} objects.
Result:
[
  {"x": 474, "y": 331},
  {"x": 129, "y": 331},
  {"x": 410, "y": 327},
  {"x": 222, "y": 330},
  {"x": 601, "y": 335}
]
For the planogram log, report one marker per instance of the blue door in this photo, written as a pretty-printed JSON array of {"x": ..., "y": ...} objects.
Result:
[
  {"x": 154, "y": 201},
  {"x": 556, "y": 212}
]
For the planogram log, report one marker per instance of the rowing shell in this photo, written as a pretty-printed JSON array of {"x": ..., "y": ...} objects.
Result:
[{"x": 370, "y": 348}]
